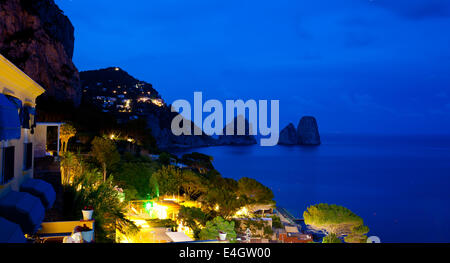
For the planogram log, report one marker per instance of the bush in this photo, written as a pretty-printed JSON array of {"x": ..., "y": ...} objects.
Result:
[
  {"x": 331, "y": 238},
  {"x": 212, "y": 228}
]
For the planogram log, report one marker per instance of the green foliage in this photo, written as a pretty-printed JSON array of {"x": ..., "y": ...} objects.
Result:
[
  {"x": 331, "y": 238},
  {"x": 254, "y": 190},
  {"x": 67, "y": 131},
  {"x": 137, "y": 176},
  {"x": 168, "y": 223},
  {"x": 194, "y": 218},
  {"x": 169, "y": 179},
  {"x": 109, "y": 212},
  {"x": 198, "y": 161},
  {"x": 355, "y": 238},
  {"x": 105, "y": 152},
  {"x": 192, "y": 184},
  {"x": 336, "y": 219},
  {"x": 137, "y": 129},
  {"x": 71, "y": 165},
  {"x": 327, "y": 216},
  {"x": 276, "y": 222},
  {"x": 164, "y": 158},
  {"x": 227, "y": 201},
  {"x": 212, "y": 228},
  {"x": 358, "y": 234}
]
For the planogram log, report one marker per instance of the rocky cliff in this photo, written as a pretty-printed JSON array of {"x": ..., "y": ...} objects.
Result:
[
  {"x": 288, "y": 135},
  {"x": 307, "y": 133},
  {"x": 115, "y": 91},
  {"x": 236, "y": 139},
  {"x": 39, "y": 39}
]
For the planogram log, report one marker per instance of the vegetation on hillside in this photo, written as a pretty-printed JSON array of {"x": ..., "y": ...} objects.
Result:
[{"x": 337, "y": 220}]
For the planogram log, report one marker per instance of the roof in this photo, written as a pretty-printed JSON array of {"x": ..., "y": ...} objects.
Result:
[
  {"x": 291, "y": 229},
  {"x": 14, "y": 78},
  {"x": 49, "y": 123}
]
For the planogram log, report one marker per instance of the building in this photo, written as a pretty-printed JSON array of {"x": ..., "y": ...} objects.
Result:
[
  {"x": 18, "y": 95},
  {"x": 23, "y": 200}
]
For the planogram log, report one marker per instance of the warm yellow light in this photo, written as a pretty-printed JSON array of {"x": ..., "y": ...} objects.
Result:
[
  {"x": 217, "y": 208},
  {"x": 116, "y": 69},
  {"x": 158, "y": 102},
  {"x": 242, "y": 212},
  {"x": 112, "y": 136}
]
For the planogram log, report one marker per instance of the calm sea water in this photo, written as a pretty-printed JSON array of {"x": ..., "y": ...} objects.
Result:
[{"x": 399, "y": 185}]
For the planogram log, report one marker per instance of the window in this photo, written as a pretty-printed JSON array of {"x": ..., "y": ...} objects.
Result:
[
  {"x": 8, "y": 164},
  {"x": 28, "y": 156}
]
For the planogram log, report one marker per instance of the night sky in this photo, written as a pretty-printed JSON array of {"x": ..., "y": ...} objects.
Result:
[{"x": 359, "y": 66}]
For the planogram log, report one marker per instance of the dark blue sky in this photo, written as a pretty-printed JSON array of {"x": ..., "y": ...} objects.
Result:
[{"x": 359, "y": 66}]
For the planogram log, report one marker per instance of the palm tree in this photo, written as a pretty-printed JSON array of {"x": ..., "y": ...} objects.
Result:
[{"x": 67, "y": 131}]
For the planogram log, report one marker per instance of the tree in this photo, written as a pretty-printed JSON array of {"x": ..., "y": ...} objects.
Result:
[
  {"x": 109, "y": 212},
  {"x": 199, "y": 161},
  {"x": 358, "y": 235},
  {"x": 193, "y": 217},
  {"x": 254, "y": 190},
  {"x": 105, "y": 152},
  {"x": 169, "y": 179},
  {"x": 226, "y": 202},
  {"x": 212, "y": 228},
  {"x": 337, "y": 220},
  {"x": 71, "y": 166},
  {"x": 331, "y": 238},
  {"x": 192, "y": 184},
  {"x": 137, "y": 175},
  {"x": 66, "y": 132},
  {"x": 164, "y": 158}
]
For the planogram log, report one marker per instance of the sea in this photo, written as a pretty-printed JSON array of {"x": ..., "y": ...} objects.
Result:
[{"x": 399, "y": 185}]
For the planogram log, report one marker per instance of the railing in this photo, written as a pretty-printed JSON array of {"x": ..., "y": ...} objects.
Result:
[{"x": 56, "y": 231}]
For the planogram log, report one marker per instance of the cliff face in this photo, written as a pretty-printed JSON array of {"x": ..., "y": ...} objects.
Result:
[
  {"x": 38, "y": 38},
  {"x": 308, "y": 131},
  {"x": 160, "y": 124},
  {"x": 288, "y": 135},
  {"x": 246, "y": 139}
]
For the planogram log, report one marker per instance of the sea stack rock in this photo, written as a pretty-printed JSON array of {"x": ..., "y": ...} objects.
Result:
[
  {"x": 308, "y": 132},
  {"x": 288, "y": 136},
  {"x": 246, "y": 139}
]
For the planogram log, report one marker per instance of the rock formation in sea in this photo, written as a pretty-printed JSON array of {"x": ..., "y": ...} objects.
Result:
[
  {"x": 39, "y": 39},
  {"x": 288, "y": 135},
  {"x": 160, "y": 124},
  {"x": 236, "y": 139},
  {"x": 308, "y": 131}
]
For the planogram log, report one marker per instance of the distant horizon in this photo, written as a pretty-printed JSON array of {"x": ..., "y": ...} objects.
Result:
[{"x": 373, "y": 73}]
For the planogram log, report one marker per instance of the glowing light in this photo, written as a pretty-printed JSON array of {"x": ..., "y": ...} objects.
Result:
[
  {"x": 242, "y": 211},
  {"x": 144, "y": 99},
  {"x": 116, "y": 69},
  {"x": 112, "y": 136},
  {"x": 158, "y": 102},
  {"x": 217, "y": 208}
]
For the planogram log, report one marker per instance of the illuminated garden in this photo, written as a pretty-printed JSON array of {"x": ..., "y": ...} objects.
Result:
[{"x": 138, "y": 198}]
